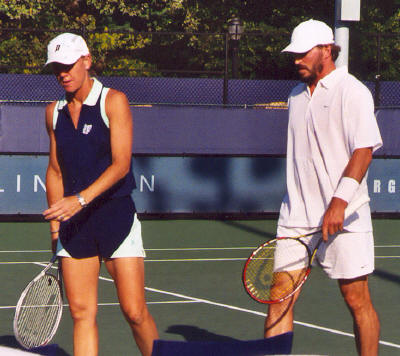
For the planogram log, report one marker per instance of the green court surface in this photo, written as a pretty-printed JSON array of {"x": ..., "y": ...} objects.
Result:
[{"x": 194, "y": 290}]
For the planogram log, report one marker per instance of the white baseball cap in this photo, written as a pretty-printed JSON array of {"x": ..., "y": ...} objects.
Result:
[
  {"x": 66, "y": 48},
  {"x": 309, "y": 34}
]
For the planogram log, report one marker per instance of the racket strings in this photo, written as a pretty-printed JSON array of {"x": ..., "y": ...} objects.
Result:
[
  {"x": 38, "y": 314},
  {"x": 271, "y": 274}
]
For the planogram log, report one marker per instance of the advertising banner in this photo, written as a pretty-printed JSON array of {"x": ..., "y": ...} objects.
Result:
[{"x": 191, "y": 184}]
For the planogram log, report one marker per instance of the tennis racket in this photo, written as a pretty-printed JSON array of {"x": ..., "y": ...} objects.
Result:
[
  {"x": 39, "y": 309},
  {"x": 277, "y": 269}
]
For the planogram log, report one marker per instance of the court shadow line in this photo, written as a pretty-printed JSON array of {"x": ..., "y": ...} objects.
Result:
[
  {"x": 391, "y": 277},
  {"x": 11, "y": 341},
  {"x": 194, "y": 333},
  {"x": 265, "y": 234}
]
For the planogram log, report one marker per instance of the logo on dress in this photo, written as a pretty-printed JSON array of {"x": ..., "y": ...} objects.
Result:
[{"x": 86, "y": 129}]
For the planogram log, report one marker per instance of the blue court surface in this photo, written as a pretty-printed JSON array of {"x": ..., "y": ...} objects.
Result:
[{"x": 194, "y": 289}]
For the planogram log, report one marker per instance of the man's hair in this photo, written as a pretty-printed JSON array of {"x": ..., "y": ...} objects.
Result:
[{"x": 335, "y": 49}]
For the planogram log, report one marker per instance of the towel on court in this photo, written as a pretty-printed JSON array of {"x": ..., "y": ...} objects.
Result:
[{"x": 280, "y": 344}]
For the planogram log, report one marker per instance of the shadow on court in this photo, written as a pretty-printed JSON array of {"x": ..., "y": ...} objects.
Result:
[
  {"x": 10, "y": 341},
  {"x": 193, "y": 333},
  {"x": 391, "y": 277},
  {"x": 265, "y": 234}
]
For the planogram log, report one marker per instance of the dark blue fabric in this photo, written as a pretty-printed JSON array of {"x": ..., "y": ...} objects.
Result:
[
  {"x": 99, "y": 229},
  {"x": 280, "y": 344},
  {"x": 48, "y": 350},
  {"x": 84, "y": 155}
]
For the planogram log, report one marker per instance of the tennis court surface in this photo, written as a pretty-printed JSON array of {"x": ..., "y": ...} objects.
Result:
[{"x": 194, "y": 290}]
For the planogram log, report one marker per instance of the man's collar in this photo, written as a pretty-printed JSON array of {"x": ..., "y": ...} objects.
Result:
[{"x": 333, "y": 77}]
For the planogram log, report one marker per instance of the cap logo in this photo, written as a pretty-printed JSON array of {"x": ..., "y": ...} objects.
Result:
[{"x": 57, "y": 48}]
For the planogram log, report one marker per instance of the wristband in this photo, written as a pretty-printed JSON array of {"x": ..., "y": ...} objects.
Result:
[
  {"x": 346, "y": 189},
  {"x": 54, "y": 232},
  {"x": 81, "y": 200}
]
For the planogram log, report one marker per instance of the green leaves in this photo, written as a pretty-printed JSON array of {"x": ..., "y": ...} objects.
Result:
[{"x": 129, "y": 37}]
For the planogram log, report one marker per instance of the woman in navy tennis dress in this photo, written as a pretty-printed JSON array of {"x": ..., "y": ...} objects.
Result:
[{"x": 89, "y": 183}]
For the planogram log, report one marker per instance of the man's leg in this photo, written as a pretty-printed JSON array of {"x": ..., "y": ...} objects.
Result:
[
  {"x": 366, "y": 323},
  {"x": 280, "y": 315}
]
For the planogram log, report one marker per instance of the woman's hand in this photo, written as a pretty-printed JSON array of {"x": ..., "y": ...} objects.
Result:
[{"x": 64, "y": 209}]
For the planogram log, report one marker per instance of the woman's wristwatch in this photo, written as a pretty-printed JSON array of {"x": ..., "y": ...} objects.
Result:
[{"x": 81, "y": 200}]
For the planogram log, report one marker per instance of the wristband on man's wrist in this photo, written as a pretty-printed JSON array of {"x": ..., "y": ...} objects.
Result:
[{"x": 346, "y": 188}]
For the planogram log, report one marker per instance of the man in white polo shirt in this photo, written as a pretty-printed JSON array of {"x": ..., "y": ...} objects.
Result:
[{"x": 332, "y": 134}]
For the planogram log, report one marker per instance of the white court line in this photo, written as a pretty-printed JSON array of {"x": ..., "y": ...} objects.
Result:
[
  {"x": 183, "y": 249},
  {"x": 221, "y": 259},
  {"x": 196, "y": 259},
  {"x": 201, "y": 248},
  {"x": 24, "y": 251},
  {"x": 146, "y": 260},
  {"x": 386, "y": 246},
  {"x": 3, "y": 307},
  {"x": 179, "y": 260},
  {"x": 21, "y": 262}
]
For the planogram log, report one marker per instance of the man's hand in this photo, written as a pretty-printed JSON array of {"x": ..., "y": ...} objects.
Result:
[{"x": 333, "y": 218}]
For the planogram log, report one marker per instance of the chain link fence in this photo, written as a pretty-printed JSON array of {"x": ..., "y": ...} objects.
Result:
[{"x": 190, "y": 68}]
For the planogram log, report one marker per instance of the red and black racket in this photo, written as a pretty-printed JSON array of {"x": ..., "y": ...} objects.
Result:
[{"x": 278, "y": 268}]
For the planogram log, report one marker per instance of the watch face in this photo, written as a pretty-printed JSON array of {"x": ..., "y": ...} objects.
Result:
[{"x": 81, "y": 200}]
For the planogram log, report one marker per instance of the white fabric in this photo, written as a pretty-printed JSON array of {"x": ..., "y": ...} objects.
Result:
[
  {"x": 346, "y": 189},
  {"x": 346, "y": 255},
  {"x": 66, "y": 48},
  {"x": 91, "y": 100},
  {"x": 132, "y": 246},
  {"x": 103, "y": 107},
  {"x": 324, "y": 130},
  {"x": 309, "y": 34}
]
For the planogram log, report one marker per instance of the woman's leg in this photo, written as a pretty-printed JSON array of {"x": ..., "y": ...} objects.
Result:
[
  {"x": 128, "y": 275},
  {"x": 80, "y": 277}
]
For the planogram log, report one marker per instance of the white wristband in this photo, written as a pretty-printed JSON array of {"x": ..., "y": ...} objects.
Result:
[{"x": 346, "y": 189}]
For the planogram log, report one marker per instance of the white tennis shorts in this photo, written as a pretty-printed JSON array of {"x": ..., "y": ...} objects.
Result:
[
  {"x": 132, "y": 246},
  {"x": 346, "y": 255}
]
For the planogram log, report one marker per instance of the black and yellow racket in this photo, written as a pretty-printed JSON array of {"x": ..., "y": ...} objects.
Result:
[{"x": 39, "y": 309}]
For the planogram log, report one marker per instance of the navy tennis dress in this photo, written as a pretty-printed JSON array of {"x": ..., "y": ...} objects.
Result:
[{"x": 84, "y": 153}]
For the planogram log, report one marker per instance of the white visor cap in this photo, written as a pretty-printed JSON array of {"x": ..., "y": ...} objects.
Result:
[
  {"x": 309, "y": 34},
  {"x": 66, "y": 48}
]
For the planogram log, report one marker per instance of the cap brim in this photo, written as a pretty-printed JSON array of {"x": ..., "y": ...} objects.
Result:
[
  {"x": 302, "y": 48},
  {"x": 293, "y": 48},
  {"x": 68, "y": 61}
]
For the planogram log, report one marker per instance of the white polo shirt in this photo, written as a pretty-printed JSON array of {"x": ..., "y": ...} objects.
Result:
[{"x": 324, "y": 130}]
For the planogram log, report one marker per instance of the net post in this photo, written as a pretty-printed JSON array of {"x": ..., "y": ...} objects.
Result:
[{"x": 345, "y": 11}]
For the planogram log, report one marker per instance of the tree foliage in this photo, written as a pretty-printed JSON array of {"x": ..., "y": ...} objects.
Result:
[{"x": 162, "y": 37}]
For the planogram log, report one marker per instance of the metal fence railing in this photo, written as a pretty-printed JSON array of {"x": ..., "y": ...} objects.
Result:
[{"x": 374, "y": 58}]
